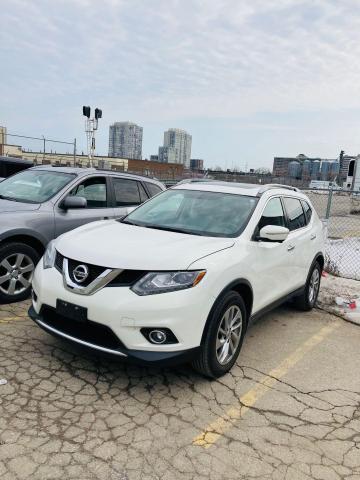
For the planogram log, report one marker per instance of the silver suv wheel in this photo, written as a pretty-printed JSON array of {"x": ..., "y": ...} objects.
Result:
[
  {"x": 314, "y": 285},
  {"x": 16, "y": 271},
  {"x": 229, "y": 334}
]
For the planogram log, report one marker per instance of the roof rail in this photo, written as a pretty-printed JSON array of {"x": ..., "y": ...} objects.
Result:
[
  {"x": 198, "y": 180},
  {"x": 269, "y": 186}
]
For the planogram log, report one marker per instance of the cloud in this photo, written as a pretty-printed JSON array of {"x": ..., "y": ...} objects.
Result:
[{"x": 175, "y": 61}]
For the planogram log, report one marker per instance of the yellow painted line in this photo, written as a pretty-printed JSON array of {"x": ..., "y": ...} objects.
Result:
[
  {"x": 220, "y": 426},
  {"x": 9, "y": 319}
]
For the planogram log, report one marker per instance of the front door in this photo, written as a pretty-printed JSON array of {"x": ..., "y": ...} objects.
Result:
[
  {"x": 95, "y": 191},
  {"x": 273, "y": 264}
]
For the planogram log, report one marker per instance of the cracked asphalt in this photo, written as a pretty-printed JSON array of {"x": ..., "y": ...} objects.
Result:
[{"x": 290, "y": 409}]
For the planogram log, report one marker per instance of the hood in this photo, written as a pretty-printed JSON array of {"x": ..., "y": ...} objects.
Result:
[
  {"x": 118, "y": 245},
  {"x": 12, "y": 206}
]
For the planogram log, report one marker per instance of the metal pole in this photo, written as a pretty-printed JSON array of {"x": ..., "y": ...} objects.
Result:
[
  {"x": 74, "y": 152},
  {"x": 328, "y": 207},
  {"x": 44, "y": 147}
]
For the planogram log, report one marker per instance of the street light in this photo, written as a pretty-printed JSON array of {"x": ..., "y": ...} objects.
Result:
[{"x": 91, "y": 125}]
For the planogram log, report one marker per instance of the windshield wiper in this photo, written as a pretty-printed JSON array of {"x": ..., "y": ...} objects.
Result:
[
  {"x": 171, "y": 229},
  {"x": 128, "y": 222},
  {"x": 4, "y": 197}
]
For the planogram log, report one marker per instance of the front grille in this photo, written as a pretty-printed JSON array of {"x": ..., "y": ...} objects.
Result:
[
  {"x": 91, "y": 332},
  {"x": 94, "y": 271},
  {"x": 126, "y": 278},
  {"x": 59, "y": 261}
]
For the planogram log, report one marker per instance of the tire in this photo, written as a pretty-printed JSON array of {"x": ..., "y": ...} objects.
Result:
[
  {"x": 208, "y": 362},
  {"x": 17, "y": 264},
  {"x": 307, "y": 300}
]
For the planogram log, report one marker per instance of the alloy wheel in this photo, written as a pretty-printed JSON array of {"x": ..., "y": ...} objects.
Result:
[
  {"x": 229, "y": 334},
  {"x": 314, "y": 286},
  {"x": 16, "y": 271}
]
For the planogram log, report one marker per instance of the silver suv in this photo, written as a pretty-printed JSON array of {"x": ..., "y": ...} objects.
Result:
[{"x": 41, "y": 203}]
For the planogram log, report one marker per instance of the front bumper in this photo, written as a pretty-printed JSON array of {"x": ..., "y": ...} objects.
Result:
[
  {"x": 108, "y": 345},
  {"x": 118, "y": 308}
]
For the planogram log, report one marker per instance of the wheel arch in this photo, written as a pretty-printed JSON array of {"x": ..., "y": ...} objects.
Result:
[
  {"x": 320, "y": 259},
  {"x": 26, "y": 238},
  {"x": 242, "y": 287}
]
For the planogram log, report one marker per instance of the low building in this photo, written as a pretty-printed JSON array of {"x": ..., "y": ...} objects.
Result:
[
  {"x": 7, "y": 150},
  {"x": 196, "y": 164},
  {"x": 143, "y": 167}
]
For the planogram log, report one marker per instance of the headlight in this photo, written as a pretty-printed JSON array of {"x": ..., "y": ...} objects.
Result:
[
  {"x": 49, "y": 255},
  {"x": 162, "y": 282}
]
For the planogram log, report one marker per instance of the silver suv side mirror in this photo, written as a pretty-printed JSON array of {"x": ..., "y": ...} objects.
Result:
[
  {"x": 273, "y": 233},
  {"x": 71, "y": 202}
]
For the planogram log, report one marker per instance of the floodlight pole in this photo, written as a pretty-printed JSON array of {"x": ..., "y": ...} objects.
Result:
[{"x": 91, "y": 125}]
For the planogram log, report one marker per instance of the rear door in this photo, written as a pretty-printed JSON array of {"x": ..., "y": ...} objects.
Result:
[
  {"x": 298, "y": 239},
  {"x": 96, "y": 191},
  {"x": 128, "y": 194}
]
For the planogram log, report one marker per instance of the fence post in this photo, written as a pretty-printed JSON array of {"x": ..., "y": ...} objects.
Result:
[
  {"x": 328, "y": 207},
  {"x": 74, "y": 152}
]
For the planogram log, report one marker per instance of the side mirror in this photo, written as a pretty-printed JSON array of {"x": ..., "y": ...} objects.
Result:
[
  {"x": 73, "y": 202},
  {"x": 273, "y": 233}
]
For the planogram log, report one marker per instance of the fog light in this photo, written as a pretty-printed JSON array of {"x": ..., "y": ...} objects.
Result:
[
  {"x": 34, "y": 296},
  {"x": 157, "y": 336}
]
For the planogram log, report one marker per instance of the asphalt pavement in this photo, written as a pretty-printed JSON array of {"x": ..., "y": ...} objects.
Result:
[{"x": 290, "y": 408}]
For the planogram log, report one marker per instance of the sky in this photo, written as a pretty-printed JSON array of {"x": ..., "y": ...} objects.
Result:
[{"x": 248, "y": 79}]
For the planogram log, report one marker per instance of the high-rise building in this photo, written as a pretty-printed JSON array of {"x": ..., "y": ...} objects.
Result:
[
  {"x": 180, "y": 141},
  {"x": 168, "y": 155},
  {"x": 125, "y": 140}
]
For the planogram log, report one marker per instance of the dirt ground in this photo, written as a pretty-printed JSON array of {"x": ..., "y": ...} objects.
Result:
[{"x": 290, "y": 409}]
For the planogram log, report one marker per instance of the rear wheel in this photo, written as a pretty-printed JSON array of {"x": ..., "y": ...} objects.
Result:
[
  {"x": 223, "y": 338},
  {"x": 17, "y": 265},
  {"x": 308, "y": 299}
]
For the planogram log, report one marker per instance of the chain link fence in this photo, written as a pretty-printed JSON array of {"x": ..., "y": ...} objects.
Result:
[{"x": 340, "y": 212}]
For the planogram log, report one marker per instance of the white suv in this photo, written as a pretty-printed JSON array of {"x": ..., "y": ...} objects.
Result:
[{"x": 182, "y": 276}]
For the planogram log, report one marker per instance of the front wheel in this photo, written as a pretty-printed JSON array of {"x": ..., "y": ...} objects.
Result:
[
  {"x": 223, "y": 338},
  {"x": 17, "y": 265},
  {"x": 307, "y": 300}
]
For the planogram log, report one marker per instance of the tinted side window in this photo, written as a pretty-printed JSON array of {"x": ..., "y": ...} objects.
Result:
[
  {"x": 126, "y": 192},
  {"x": 143, "y": 194},
  {"x": 307, "y": 210},
  {"x": 295, "y": 213},
  {"x": 273, "y": 214},
  {"x": 153, "y": 189},
  {"x": 94, "y": 190}
]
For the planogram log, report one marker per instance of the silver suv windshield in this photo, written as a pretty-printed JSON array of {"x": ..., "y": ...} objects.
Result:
[
  {"x": 213, "y": 214},
  {"x": 34, "y": 186}
]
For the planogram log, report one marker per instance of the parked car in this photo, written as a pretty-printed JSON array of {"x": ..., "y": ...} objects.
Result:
[
  {"x": 41, "y": 203},
  {"x": 181, "y": 277},
  {"x": 11, "y": 165}
]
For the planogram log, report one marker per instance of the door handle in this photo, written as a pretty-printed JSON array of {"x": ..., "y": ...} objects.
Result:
[
  {"x": 290, "y": 247},
  {"x": 105, "y": 218},
  {"x": 313, "y": 236}
]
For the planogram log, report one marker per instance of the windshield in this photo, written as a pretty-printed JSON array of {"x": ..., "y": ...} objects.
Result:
[
  {"x": 212, "y": 214},
  {"x": 34, "y": 186}
]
